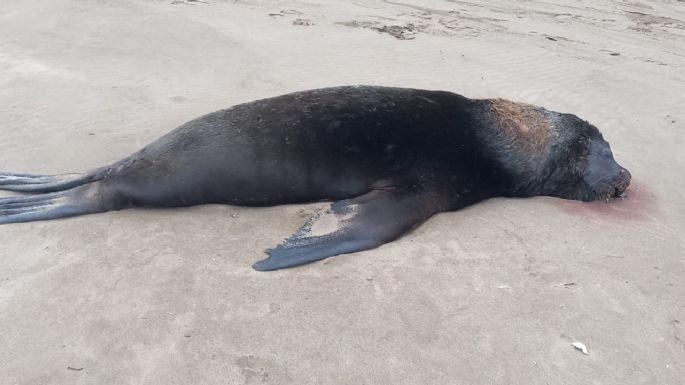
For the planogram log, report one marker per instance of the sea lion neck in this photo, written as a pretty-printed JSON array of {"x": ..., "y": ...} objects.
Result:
[{"x": 520, "y": 138}]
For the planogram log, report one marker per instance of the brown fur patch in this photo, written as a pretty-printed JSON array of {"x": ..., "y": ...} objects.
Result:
[{"x": 526, "y": 125}]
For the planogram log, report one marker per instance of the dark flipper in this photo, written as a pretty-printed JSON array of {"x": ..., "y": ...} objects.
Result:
[
  {"x": 361, "y": 223},
  {"x": 43, "y": 183},
  {"x": 76, "y": 201}
]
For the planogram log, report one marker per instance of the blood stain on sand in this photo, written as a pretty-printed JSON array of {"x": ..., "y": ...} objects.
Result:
[{"x": 638, "y": 205}]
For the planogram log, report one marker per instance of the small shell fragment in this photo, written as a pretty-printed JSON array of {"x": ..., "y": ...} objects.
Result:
[{"x": 581, "y": 346}]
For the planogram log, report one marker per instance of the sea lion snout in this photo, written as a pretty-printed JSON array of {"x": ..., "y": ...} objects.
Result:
[
  {"x": 621, "y": 182},
  {"x": 604, "y": 176},
  {"x": 614, "y": 185}
]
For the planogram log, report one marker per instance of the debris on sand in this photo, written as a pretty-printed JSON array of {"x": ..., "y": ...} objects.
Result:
[
  {"x": 303, "y": 22},
  {"x": 357, "y": 24},
  {"x": 581, "y": 346},
  {"x": 284, "y": 12},
  {"x": 190, "y": 2},
  {"x": 401, "y": 32},
  {"x": 566, "y": 284}
]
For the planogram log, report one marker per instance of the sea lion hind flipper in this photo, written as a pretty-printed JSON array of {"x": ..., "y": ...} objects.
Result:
[
  {"x": 43, "y": 183},
  {"x": 357, "y": 224},
  {"x": 76, "y": 201}
]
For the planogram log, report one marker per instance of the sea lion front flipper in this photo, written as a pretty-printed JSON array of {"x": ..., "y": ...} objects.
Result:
[{"x": 352, "y": 225}]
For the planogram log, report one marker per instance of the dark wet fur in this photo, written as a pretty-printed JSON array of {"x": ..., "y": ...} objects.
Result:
[{"x": 398, "y": 155}]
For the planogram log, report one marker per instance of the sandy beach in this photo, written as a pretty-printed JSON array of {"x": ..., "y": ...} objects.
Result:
[{"x": 493, "y": 294}]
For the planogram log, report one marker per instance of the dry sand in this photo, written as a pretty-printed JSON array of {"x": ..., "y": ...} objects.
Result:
[{"x": 494, "y": 294}]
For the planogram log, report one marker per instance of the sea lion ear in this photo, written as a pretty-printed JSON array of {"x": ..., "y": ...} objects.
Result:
[{"x": 352, "y": 225}]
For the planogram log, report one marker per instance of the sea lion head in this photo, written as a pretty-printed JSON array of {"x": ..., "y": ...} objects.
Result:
[
  {"x": 549, "y": 153},
  {"x": 580, "y": 164}
]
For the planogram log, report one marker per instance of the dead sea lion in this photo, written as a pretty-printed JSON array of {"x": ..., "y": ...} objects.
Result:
[{"x": 388, "y": 158}]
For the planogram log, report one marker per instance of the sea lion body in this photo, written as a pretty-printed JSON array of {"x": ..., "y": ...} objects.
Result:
[
  {"x": 325, "y": 144},
  {"x": 389, "y": 158}
]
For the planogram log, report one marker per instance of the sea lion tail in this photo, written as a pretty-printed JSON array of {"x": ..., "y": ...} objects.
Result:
[
  {"x": 44, "y": 183},
  {"x": 85, "y": 199}
]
